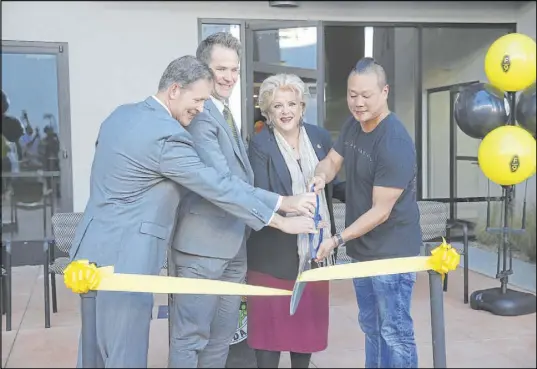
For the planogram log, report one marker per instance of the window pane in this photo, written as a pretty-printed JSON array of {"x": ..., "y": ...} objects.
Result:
[{"x": 291, "y": 47}]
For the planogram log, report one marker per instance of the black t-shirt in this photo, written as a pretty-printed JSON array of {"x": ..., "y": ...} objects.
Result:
[{"x": 383, "y": 157}]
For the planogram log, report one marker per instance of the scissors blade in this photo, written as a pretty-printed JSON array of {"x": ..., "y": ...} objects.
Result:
[{"x": 298, "y": 289}]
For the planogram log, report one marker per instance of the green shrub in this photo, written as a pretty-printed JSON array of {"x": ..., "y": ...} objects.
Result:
[{"x": 523, "y": 242}]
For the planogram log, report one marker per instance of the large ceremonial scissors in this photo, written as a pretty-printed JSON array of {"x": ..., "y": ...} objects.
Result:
[{"x": 298, "y": 289}]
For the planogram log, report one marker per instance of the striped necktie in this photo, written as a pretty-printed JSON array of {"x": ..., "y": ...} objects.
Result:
[{"x": 231, "y": 123}]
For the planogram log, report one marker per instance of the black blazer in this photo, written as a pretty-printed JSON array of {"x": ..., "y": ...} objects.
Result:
[{"x": 270, "y": 250}]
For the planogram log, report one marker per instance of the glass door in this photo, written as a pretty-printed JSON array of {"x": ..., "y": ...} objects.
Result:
[
  {"x": 285, "y": 47},
  {"x": 36, "y": 134}
]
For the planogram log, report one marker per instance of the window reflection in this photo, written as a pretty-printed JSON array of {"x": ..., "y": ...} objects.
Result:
[{"x": 291, "y": 47}]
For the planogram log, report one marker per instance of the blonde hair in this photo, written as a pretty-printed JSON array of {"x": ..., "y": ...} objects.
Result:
[{"x": 272, "y": 84}]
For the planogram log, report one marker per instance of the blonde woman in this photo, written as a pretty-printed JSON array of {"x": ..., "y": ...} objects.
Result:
[{"x": 283, "y": 156}]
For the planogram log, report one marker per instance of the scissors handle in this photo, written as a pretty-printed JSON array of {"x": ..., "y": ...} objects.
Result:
[{"x": 316, "y": 219}]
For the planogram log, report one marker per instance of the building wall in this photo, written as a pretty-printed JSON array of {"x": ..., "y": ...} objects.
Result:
[
  {"x": 118, "y": 50},
  {"x": 526, "y": 24}
]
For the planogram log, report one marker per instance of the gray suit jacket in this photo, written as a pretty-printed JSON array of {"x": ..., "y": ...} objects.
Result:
[
  {"x": 143, "y": 159},
  {"x": 202, "y": 228}
]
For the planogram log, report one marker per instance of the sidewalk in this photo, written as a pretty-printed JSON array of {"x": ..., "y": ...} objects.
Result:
[{"x": 474, "y": 338}]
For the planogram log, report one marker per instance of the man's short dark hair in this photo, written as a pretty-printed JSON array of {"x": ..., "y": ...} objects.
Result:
[
  {"x": 184, "y": 71},
  {"x": 223, "y": 39},
  {"x": 370, "y": 65}
]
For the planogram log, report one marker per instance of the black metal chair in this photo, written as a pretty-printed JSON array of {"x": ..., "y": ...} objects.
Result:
[
  {"x": 30, "y": 194},
  {"x": 63, "y": 229},
  {"x": 435, "y": 224}
]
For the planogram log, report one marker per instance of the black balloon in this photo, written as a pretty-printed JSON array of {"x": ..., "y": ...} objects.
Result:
[
  {"x": 480, "y": 108},
  {"x": 525, "y": 109}
]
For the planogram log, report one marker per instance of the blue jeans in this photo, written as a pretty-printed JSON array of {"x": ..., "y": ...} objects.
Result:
[{"x": 384, "y": 316}]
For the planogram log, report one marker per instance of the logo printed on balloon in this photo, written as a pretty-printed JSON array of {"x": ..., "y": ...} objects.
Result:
[
  {"x": 515, "y": 164},
  {"x": 506, "y": 63}
]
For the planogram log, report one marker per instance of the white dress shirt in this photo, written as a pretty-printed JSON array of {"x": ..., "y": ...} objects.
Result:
[{"x": 161, "y": 103}]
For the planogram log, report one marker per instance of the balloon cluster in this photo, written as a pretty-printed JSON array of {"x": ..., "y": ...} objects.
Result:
[{"x": 507, "y": 152}]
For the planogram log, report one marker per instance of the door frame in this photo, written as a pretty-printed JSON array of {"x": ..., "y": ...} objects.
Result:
[
  {"x": 454, "y": 158},
  {"x": 61, "y": 51},
  {"x": 253, "y": 66}
]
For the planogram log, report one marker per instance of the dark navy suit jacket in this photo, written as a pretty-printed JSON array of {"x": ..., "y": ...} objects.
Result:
[{"x": 270, "y": 250}]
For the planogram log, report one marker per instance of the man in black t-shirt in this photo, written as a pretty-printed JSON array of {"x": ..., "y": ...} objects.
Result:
[{"x": 382, "y": 216}]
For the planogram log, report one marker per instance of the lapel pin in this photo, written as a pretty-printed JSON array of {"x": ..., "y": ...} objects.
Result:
[{"x": 318, "y": 146}]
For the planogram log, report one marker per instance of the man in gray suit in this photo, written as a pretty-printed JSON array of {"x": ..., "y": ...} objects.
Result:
[
  {"x": 143, "y": 159},
  {"x": 208, "y": 243}
]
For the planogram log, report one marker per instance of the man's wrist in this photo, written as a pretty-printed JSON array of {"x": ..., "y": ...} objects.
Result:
[
  {"x": 284, "y": 203},
  {"x": 334, "y": 242},
  {"x": 276, "y": 221},
  {"x": 338, "y": 239},
  {"x": 279, "y": 203}
]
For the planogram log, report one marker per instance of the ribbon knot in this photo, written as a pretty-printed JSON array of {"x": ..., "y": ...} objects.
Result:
[
  {"x": 80, "y": 276},
  {"x": 444, "y": 258}
]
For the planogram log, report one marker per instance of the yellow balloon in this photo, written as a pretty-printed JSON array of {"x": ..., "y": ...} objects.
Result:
[
  {"x": 510, "y": 62},
  {"x": 507, "y": 155}
]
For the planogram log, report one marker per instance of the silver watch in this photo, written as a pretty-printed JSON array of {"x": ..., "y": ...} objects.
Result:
[{"x": 339, "y": 240}]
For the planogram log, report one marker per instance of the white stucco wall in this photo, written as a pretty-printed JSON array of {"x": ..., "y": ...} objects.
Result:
[{"x": 118, "y": 50}]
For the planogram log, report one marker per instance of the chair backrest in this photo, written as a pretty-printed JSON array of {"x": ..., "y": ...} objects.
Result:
[
  {"x": 433, "y": 219},
  {"x": 64, "y": 227},
  {"x": 339, "y": 216},
  {"x": 339, "y": 219},
  {"x": 28, "y": 190}
]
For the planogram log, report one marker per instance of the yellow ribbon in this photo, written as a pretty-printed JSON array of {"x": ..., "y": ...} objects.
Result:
[
  {"x": 443, "y": 258},
  {"x": 80, "y": 276}
]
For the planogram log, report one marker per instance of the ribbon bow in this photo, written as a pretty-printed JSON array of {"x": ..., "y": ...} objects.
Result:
[
  {"x": 444, "y": 258},
  {"x": 81, "y": 276}
]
